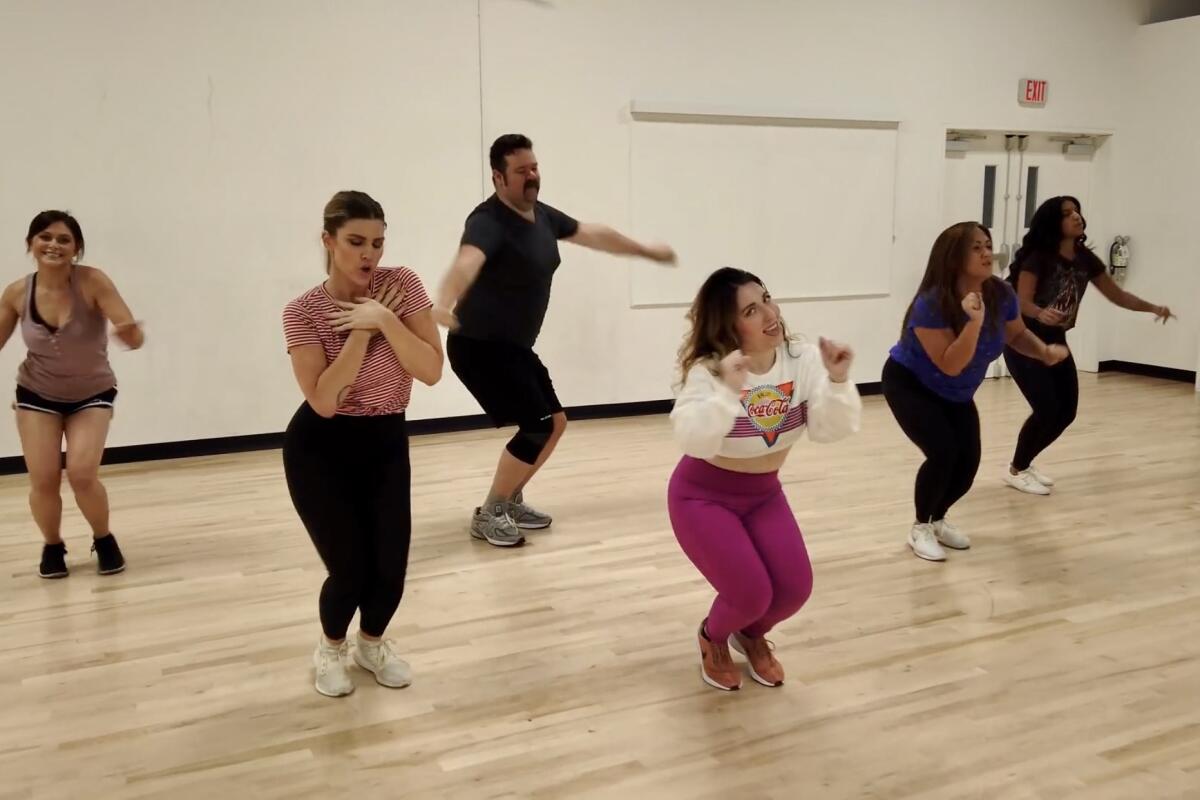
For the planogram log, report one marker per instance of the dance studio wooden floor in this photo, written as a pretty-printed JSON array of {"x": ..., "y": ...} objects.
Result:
[{"x": 1059, "y": 658}]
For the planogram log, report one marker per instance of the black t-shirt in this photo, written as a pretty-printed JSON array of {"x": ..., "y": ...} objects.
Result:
[
  {"x": 1061, "y": 283},
  {"x": 508, "y": 300}
]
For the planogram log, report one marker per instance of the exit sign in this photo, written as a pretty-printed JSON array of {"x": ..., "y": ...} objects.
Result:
[{"x": 1032, "y": 92}]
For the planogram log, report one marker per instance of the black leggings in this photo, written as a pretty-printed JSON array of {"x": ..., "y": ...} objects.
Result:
[
  {"x": 1053, "y": 394},
  {"x": 349, "y": 480},
  {"x": 947, "y": 433}
]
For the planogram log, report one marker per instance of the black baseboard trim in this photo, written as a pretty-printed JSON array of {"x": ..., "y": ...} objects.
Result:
[
  {"x": 162, "y": 451},
  {"x": 1149, "y": 371},
  {"x": 225, "y": 445}
]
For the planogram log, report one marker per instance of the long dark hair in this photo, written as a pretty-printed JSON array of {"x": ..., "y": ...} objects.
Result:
[
  {"x": 47, "y": 218},
  {"x": 1045, "y": 235},
  {"x": 712, "y": 332},
  {"x": 946, "y": 260}
]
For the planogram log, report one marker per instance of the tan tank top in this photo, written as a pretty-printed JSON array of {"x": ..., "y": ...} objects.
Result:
[{"x": 70, "y": 363}]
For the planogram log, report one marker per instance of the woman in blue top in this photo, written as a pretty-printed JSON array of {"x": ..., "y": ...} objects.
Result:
[{"x": 957, "y": 324}]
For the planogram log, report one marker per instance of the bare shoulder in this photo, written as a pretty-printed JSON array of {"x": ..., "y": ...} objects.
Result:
[
  {"x": 16, "y": 288},
  {"x": 94, "y": 282},
  {"x": 14, "y": 294},
  {"x": 92, "y": 276}
]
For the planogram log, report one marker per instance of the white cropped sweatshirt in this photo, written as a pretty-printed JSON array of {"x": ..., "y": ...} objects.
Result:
[{"x": 769, "y": 412}]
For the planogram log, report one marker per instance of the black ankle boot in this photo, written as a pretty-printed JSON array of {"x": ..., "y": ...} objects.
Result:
[
  {"x": 54, "y": 561},
  {"x": 108, "y": 554}
]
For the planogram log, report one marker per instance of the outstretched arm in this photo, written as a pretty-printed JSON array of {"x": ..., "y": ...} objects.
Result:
[
  {"x": 1118, "y": 296},
  {"x": 605, "y": 239}
]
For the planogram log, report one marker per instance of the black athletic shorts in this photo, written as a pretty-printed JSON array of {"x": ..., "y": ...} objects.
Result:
[
  {"x": 32, "y": 401},
  {"x": 509, "y": 381}
]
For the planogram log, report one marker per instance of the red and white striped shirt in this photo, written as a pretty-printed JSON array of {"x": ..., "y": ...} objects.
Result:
[{"x": 382, "y": 386}]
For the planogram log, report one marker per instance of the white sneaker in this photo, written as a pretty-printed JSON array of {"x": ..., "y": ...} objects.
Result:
[
  {"x": 378, "y": 657},
  {"x": 332, "y": 678},
  {"x": 924, "y": 543},
  {"x": 1024, "y": 481},
  {"x": 1041, "y": 477},
  {"x": 950, "y": 536}
]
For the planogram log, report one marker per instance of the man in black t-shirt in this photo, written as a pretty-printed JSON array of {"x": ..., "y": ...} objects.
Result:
[{"x": 494, "y": 300}]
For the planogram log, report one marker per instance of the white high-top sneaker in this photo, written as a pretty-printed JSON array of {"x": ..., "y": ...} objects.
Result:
[
  {"x": 924, "y": 543},
  {"x": 330, "y": 662}
]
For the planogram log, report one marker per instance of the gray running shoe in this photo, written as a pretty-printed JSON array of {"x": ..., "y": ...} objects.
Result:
[
  {"x": 528, "y": 517},
  {"x": 495, "y": 526}
]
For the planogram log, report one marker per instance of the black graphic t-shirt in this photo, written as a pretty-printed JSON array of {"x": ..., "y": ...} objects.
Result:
[{"x": 1061, "y": 283}]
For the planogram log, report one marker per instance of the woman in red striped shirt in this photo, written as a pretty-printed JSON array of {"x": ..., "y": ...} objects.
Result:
[{"x": 356, "y": 342}]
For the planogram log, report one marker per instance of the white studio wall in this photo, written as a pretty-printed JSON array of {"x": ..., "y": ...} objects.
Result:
[
  {"x": 198, "y": 142},
  {"x": 1159, "y": 179},
  {"x": 567, "y": 73}
]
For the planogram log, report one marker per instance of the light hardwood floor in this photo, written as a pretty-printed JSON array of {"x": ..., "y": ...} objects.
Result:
[{"x": 1059, "y": 658}]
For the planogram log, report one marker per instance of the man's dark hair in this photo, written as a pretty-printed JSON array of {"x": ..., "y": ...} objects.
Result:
[{"x": 506, "y": 144}]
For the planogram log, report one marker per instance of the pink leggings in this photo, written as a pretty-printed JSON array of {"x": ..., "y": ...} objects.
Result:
[{"x": 741, "y": 534}]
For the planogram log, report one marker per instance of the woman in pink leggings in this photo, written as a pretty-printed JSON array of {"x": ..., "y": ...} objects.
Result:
[{"x": 749, "y": 390}]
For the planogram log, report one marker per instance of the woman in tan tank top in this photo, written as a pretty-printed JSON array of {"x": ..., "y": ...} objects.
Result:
[{"x": 65, "y": 386}]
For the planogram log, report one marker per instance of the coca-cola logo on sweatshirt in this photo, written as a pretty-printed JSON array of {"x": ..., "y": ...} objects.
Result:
[{"x": 767, "y": 407}]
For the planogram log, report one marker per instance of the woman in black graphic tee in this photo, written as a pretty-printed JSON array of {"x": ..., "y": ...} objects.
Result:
[{"x": 1050, "y": 272}]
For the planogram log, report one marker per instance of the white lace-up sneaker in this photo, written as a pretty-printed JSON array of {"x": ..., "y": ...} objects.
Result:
[
  {"x": 1041, "y": 477},
  {"x": 950, "y": 536},
  {"x": 1024, "y": 481},
  {"x": 330, "y": 662},
  {"x": 379, "y": 658},
  {"x": 924, "y": 543}
]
